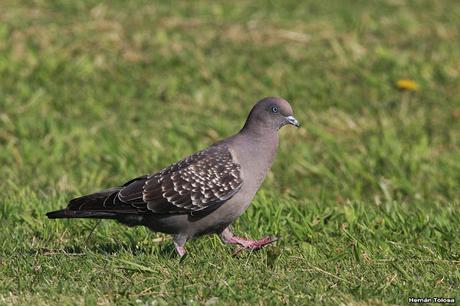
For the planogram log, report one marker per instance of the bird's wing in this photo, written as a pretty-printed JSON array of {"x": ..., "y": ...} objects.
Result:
[{"x": 199, "y": 182}]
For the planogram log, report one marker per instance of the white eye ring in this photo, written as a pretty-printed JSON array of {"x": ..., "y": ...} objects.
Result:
[{"x": 275, "y": 109}]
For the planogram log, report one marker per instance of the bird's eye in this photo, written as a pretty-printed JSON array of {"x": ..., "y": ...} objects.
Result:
[{"x": 275, "y": 109}]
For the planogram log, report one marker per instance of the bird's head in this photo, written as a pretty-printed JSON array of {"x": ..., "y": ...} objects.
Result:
[{"x": 272, "y": 113}]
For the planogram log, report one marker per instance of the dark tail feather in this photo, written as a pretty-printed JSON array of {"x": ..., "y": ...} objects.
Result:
[
  {"x": 100, "y": 205},
  {"x": 94, "y": 201},
  {"x": 65, "y": 213}
]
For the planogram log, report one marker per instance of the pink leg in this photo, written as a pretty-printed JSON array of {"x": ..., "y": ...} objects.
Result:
[
  {"x": 180, "y": 250},
  {"x": 228, "y": 237},
  {"x": 179, "y": 243}
]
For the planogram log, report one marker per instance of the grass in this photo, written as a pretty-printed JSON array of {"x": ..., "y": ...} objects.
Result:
[{"x": 364, "y": 196}]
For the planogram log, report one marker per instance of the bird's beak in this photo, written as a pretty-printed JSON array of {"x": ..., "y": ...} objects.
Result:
[{"x": 293, "y": 121}]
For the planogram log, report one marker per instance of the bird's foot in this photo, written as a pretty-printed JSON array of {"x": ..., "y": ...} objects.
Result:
[
  {"x": 181, "y": 251},
  {"x": 247, "y": 244},
  {"x": 227, "y": 236},
  {"x": 179, "y": 242},
  {"x": 252, "y": 244}
]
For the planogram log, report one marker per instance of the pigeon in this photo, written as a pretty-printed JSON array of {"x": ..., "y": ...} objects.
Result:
[{"x": 201, "y": 194}]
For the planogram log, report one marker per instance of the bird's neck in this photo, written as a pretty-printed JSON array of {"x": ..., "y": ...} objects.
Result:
[
  {"x": 261, "y": 145},
  {"x": 258, "y": 129}
]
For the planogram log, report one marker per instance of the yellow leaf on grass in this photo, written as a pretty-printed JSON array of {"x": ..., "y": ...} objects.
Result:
[{"x": 406, "y": 84}]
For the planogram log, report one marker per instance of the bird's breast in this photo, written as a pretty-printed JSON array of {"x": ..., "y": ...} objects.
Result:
[{"x": 255, "y": 160}]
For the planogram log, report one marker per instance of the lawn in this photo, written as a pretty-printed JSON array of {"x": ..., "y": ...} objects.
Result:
[{"x": 364, "y": 197}]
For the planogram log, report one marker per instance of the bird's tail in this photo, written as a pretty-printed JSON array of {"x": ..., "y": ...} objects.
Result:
[
  {"x": 99, "y": 205},
  {"x": 66, "y": 213}
]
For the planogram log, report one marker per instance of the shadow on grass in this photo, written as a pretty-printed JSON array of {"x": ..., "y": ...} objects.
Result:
[{"x": 165, "y": 250}]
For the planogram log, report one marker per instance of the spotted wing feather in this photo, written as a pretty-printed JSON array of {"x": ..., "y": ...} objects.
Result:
[{"x": 199, "y": 182}]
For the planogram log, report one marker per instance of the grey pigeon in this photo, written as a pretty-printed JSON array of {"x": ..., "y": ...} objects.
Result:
[{"x": 201, "y": 194}]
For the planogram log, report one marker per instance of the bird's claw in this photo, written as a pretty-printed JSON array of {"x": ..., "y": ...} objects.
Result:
[{"x": 254, "y": 244}]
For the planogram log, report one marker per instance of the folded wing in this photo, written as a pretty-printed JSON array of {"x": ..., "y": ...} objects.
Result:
[{"x": 197, "y": 183}]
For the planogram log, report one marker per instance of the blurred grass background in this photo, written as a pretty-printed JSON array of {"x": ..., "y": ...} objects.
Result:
[{"x": 364, "y": 196}]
